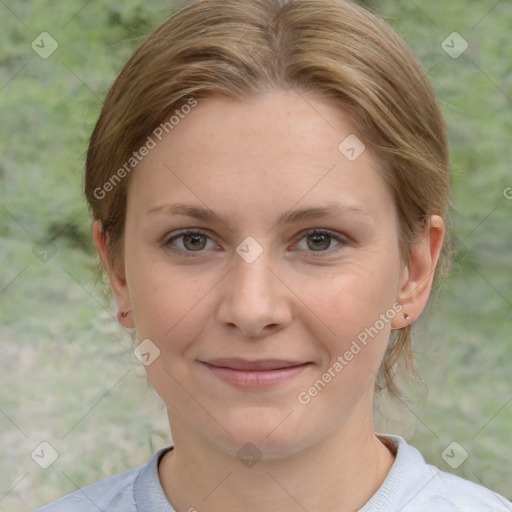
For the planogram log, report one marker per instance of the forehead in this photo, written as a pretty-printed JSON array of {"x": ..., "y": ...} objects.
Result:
[{"x": 278, "y": 148}]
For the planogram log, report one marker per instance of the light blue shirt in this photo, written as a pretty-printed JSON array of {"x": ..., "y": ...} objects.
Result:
[{"x": 411, "y": 485}]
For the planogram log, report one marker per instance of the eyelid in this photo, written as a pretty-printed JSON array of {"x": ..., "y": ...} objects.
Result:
[
  {"x": 334, "y": 234},
  {"x": 188, "y": 231},
  {"x": 342, "y": 240}
]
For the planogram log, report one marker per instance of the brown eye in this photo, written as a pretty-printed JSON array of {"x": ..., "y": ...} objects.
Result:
[
  {"x": 319, "y": 241},
  {"x": 188, "y": 242},
  {"x": 194, "y": 242}
]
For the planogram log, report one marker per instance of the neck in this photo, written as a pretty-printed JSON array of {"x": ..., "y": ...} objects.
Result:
[{"x": 341, "y": 472}]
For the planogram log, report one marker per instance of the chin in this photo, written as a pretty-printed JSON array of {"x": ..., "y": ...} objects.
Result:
[{"x": 263, "y": 436}]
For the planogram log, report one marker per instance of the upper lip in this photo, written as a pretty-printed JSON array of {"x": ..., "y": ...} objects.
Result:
[{"x": 244, "y": 364}]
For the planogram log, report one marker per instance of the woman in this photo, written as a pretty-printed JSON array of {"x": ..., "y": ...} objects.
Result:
[{"x": 269, "y": 184}]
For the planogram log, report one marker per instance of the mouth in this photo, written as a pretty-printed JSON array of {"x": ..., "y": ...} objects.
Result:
[
  {"x": 263, "y": 373},
  {"x": 235, "y": 363}
]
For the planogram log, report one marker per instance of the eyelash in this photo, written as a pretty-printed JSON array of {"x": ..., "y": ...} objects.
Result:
[{"x": 343, "y": 241}]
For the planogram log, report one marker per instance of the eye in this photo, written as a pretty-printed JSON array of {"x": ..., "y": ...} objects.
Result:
[
  {"x": 191, "y": 240},
  {"x": 317, "y": 240}
]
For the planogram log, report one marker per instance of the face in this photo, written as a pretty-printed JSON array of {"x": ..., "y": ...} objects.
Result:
[{"x": 255, "y": 280}]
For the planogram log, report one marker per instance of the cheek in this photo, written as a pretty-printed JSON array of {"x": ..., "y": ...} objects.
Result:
[
  {"x": 354, "y": 343},
  {"x": 351, "y": 300},
  {"x": 169, "y": 306},
  {"x": 351, "y": 315}
]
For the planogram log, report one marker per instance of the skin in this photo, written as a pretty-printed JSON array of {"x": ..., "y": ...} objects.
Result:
[{"x": 251, "y": 161}]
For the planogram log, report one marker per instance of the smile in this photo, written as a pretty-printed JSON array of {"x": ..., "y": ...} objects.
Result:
[{"x": 254, "y": 374}]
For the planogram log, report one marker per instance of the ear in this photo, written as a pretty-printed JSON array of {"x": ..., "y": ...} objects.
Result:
[
  {"x": 418, "y": 274},
  {"x": 116, "y": 277}
]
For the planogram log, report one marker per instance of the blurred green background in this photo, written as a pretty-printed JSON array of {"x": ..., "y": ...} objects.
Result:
[{"x": 68, "y": 375}]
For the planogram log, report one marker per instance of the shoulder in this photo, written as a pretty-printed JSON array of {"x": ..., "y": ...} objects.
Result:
[
  {"x": 457, "y": 494},
  {"x": 412, "y": 485},
  {"x": 114, "y": 494},
  {"x": 133, "y": 490}
]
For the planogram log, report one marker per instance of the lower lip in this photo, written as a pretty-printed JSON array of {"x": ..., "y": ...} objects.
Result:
[{"x": 256, "y": 378}]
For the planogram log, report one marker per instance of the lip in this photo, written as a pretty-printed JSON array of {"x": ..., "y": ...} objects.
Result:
[
  {"x": 263, "y": 373},
  {"x": 236, "y": 363}
]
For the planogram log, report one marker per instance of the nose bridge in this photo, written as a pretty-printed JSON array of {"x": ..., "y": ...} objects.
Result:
[
  {"x": 251, "y": 275},
  {"x": 254, "y": 299}
]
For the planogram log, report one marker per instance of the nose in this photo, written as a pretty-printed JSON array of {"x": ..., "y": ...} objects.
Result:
[{"x": 254, "y": 299}]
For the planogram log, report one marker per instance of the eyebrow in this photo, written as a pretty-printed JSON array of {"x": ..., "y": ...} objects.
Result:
[{"x": 288, "y": 217}]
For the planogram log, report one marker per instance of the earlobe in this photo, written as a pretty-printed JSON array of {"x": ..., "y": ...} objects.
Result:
[
  {"x": 116, "y": 277},
  {"x": 418, "y": 274}
]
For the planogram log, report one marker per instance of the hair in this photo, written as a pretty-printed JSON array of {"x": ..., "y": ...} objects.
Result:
[{"x": 242, "y": 48}]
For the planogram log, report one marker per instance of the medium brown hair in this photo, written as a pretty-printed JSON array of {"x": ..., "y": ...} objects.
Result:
[{"x": 245, "y": 47}]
